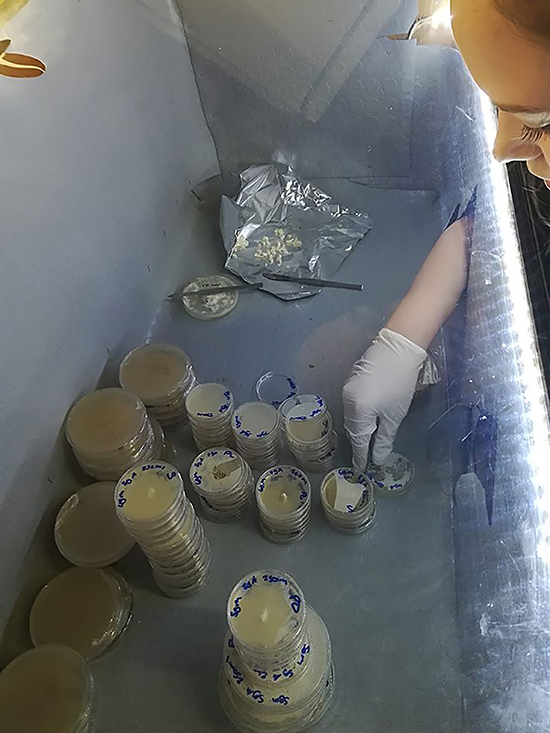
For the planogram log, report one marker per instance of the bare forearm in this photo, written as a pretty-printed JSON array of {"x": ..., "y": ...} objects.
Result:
[{"x": 436, "y": 289}]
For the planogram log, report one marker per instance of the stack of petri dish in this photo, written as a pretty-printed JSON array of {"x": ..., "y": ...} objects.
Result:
[
  {"x": 224, "y": 483},
  {"x": 283, "y": 496},
  {"x": 162, "y": 376},
  {"x": 210, "y": 409},
  {"x": 150, "y": 501},
  {"x": 109, "y": 431},
  {"x": 86, "y": 609},
  {"x": 48, "y": 690},
  {"x": 277, "y": 673},
  {"x": 308, "y": 430},
  {"x": 257, "y": 433},
  {"x": 347, "y": 498},
  {"x": 87, "y": 530}
]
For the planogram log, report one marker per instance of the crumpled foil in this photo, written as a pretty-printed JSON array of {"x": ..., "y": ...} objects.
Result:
[{"x": 281, "y": 224}]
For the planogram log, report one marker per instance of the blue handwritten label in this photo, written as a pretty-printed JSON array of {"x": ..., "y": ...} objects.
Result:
[
  {"x": 296, "y": 602},
  {"x": 256, "y": 694},
  {"x": 282, "y": 699},
  {"x": 236, "y": 607}
]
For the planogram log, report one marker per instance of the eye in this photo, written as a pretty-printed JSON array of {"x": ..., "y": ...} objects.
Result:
[{"x": 534, "y": 134}]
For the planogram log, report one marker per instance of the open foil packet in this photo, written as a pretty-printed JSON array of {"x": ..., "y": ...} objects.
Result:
[{"x": 281, "y": 224}]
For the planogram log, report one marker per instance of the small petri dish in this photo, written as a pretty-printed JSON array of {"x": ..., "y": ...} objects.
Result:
[
  {"x": 394, "y": 477},
  {"x": 85, "y": 609},
  {"x": 88, "y": 532},
  {"x": 155, "y": 372},
  {"x": 209, "y": 307},
  {"x": 46, "y": 690},
  {"x": 105, "y": 421},
  {"x": 274, "y": 389}
]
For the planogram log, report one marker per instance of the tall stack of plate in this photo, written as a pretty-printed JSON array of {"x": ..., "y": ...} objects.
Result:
[
  {"x": 347, "y": 498},
  {"x": 277, "y": 673},
  {"x": 307, "y": 426},
  {"x": 210, "y": 409},
  {"x": 257, "y": 433},
  {"x": 151, "y": 503}
]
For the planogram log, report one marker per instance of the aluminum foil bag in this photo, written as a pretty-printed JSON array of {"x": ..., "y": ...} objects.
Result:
[{"x": 281, "y": 224}]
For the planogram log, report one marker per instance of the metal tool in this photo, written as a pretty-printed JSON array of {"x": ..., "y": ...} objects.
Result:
[
  {"x": 313, "y": 282},
  {"x": 216, "y": 290}
]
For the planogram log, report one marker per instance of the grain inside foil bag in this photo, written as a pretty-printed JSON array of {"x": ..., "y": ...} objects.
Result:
[{"x": 281, "y": 224}]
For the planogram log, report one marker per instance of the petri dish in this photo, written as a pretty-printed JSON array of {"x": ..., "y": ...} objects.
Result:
[
  {"x": 148, "y": 492},
  {"x": 274, "y": 389},
  {"x": 155, "y": 372},
  {"x": 46, "y": 690},
  {"x": 282, "y": 491},
  {"x": 210, "y": 401},
  {"x": 209, "y": 307},
  {"x": 88, "y": 532},
  {"x": 394, "y": 477},
  {"x": 255, "y": 420},
  {"x": 85, "y": 609},
  {"x": 105, "y": 421}
]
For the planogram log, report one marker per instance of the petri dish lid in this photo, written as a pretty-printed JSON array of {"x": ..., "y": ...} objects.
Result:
[
  {"x": 105, "y": 421},
  {"x": 148, "y": 491},
  {"x": 81, "y": 609},
  {"x": 274, "y": 389},
  {"x": 88, "y": 531},
  {"x": 48, "y": 689},
  {"x": 208, "y": 307},
  {"x": 154, "y": 371}
]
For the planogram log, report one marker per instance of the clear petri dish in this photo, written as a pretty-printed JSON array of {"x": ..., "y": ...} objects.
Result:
[
  {"x": 394, "y": 477},
  {"x": 88, "y": 532},
  {"x": 105, "y": 421},
  {"x": 156, "y": 373},
  {"x": 46, "y": 690},
  {"x": 274, "y": 389},
  {"x": 85, "y": 609},
  {"x": 209, "y": 307}
]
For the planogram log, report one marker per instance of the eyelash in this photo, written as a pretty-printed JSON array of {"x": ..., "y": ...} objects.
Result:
[{"x": 534, "y": 134}]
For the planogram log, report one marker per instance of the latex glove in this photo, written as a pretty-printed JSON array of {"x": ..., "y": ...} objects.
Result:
[{"x": 378, "y": 394}]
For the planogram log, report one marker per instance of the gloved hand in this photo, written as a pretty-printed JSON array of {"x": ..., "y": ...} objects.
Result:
[{"x": 379, "y": 392}]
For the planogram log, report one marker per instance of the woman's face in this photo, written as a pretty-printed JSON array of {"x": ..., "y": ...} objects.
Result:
[{"x": 515, "y": 73}]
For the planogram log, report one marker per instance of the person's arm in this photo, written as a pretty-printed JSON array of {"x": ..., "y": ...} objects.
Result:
[
  {"x": 436, "y": 289},
  {"x": 378, "y": 394}
]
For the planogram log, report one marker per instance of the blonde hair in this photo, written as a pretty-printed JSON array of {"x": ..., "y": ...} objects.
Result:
[{"x": 531, "y": 18}]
